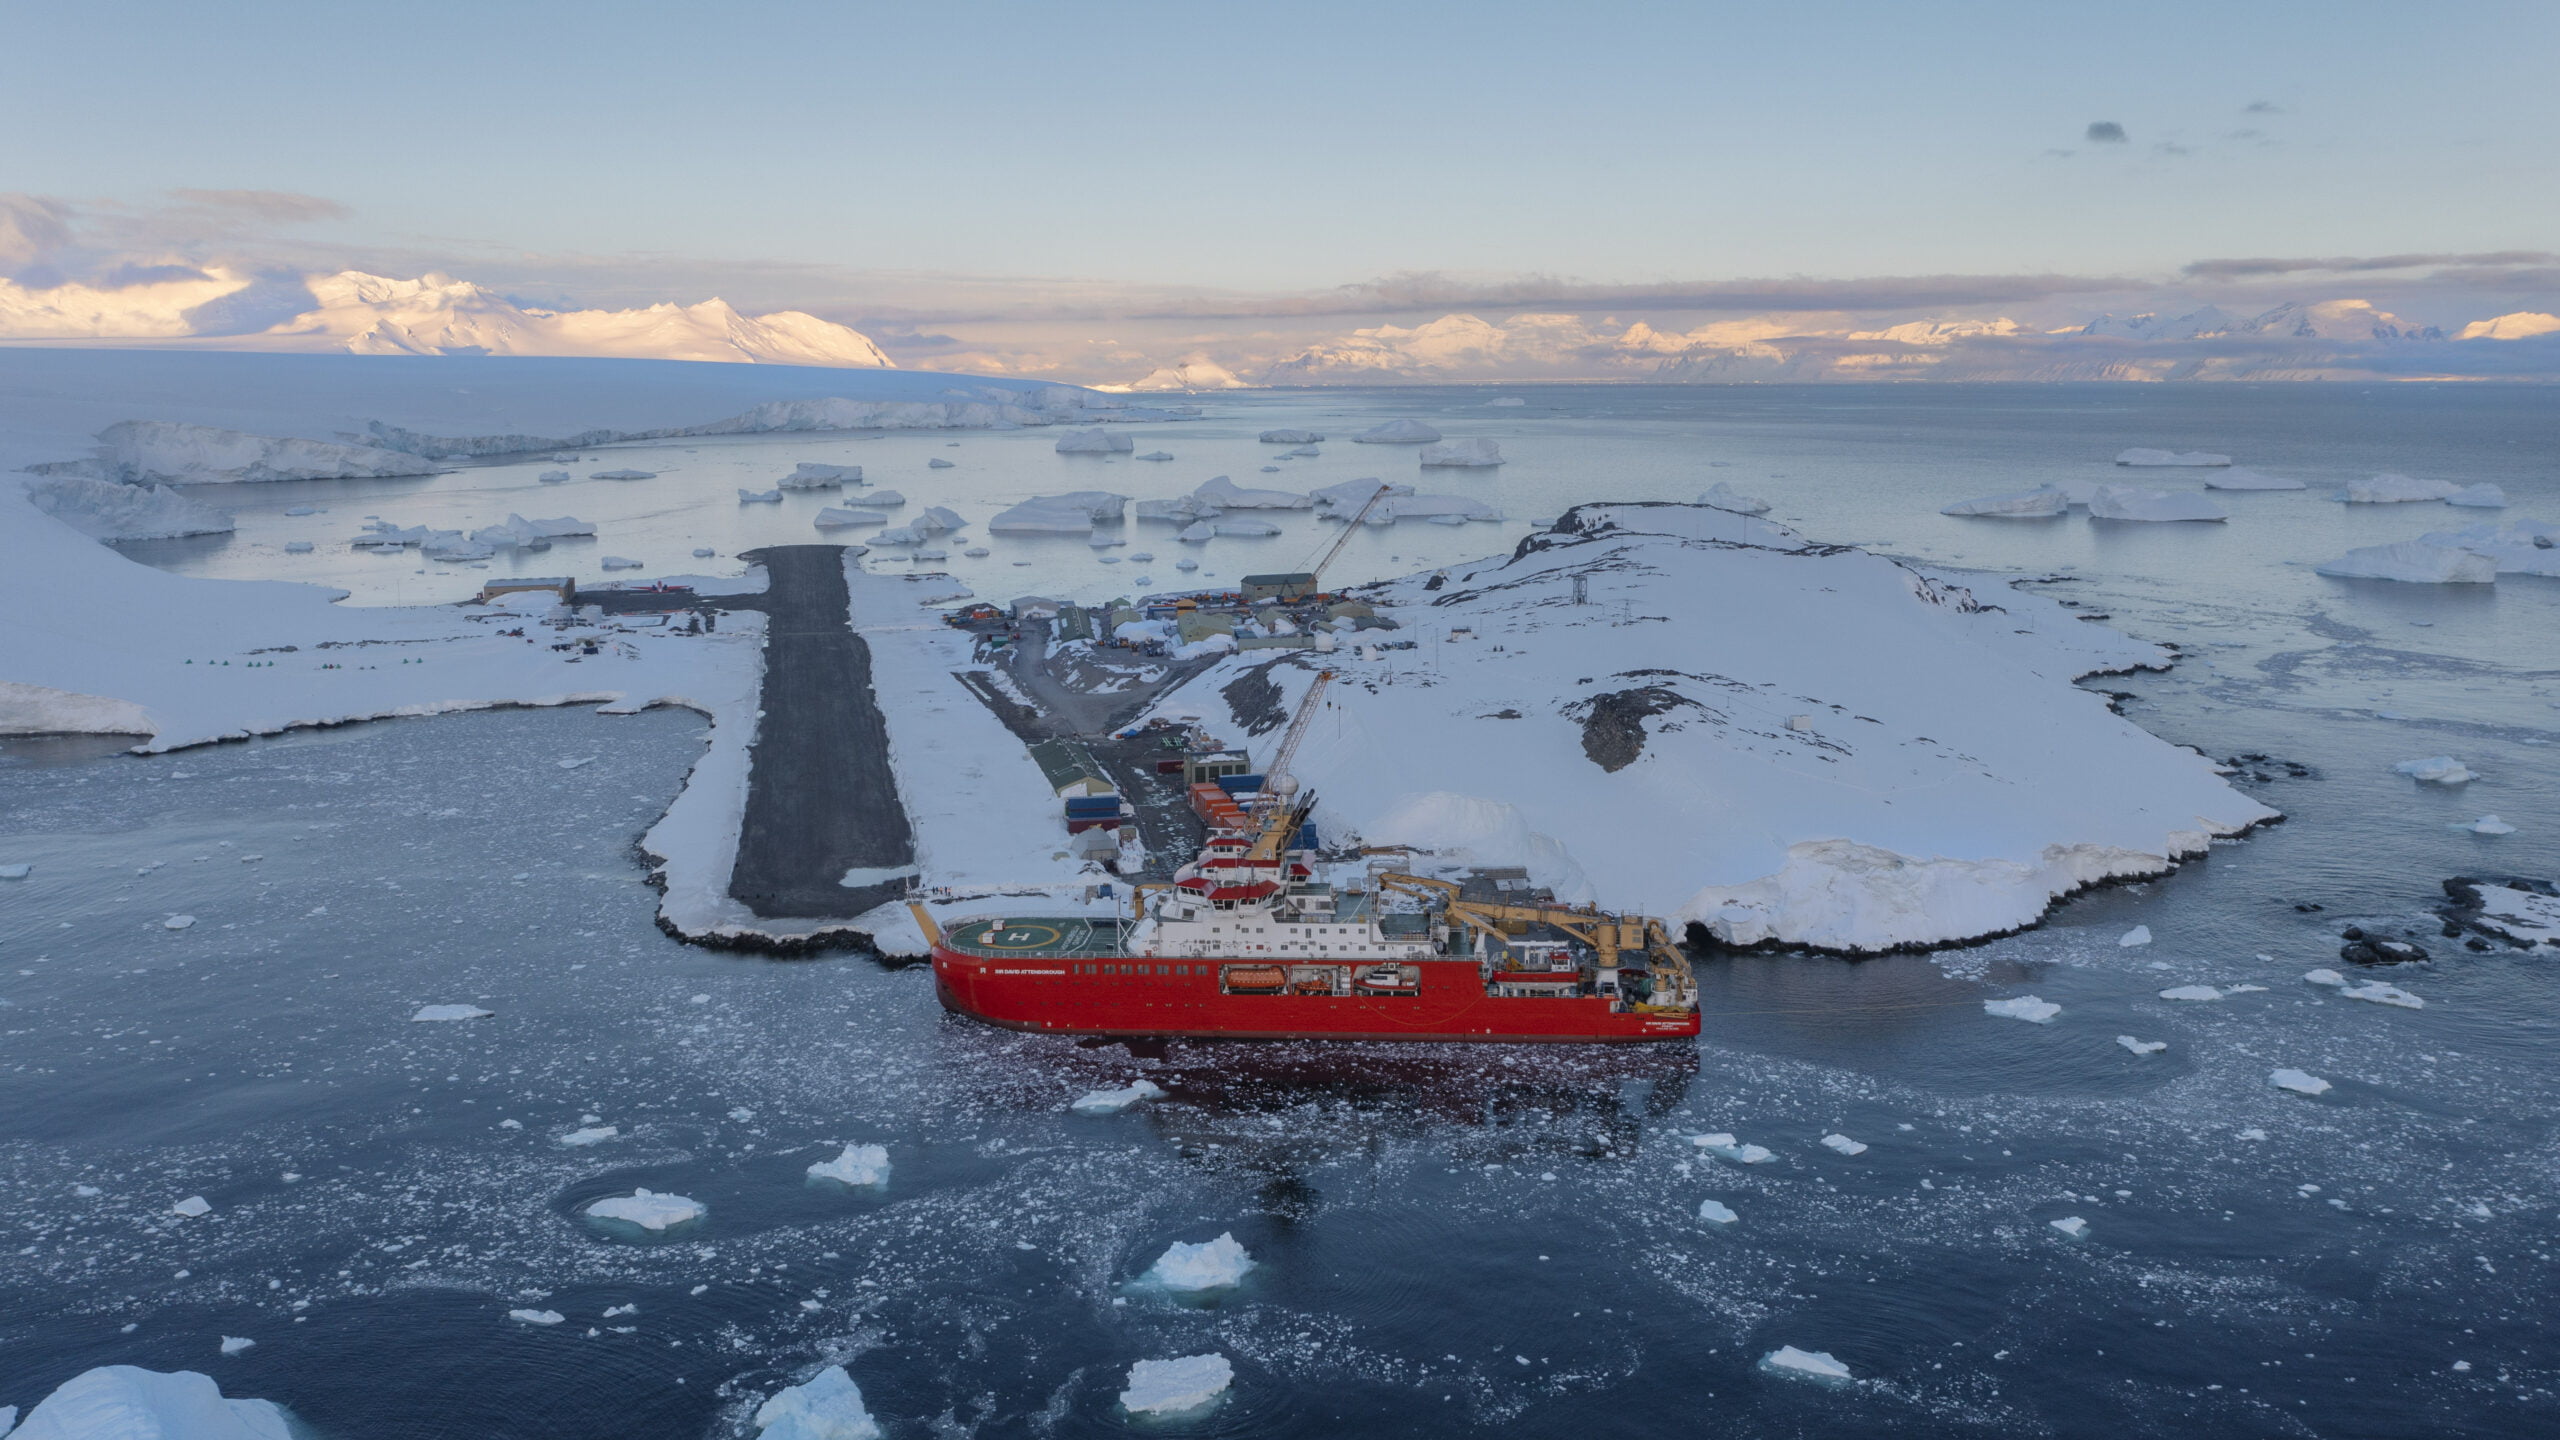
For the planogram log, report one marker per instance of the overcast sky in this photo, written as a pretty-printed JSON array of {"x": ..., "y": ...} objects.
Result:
[{"x": 1276, "y": 148}]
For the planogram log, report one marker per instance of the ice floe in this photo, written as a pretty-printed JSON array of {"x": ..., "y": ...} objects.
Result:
[
  {"x": 649, "y": 1209},
  {"x": 2151, "y": 459},
  {"x": 1726, "y": 1147},
  {"x": 2416, "y": 562},
  {"x": 1158, "y": 455},
  {"x": 1843, "y": 1144},
  {"x": 1722, "y": 496},
  {"x": 178, "y": 922},
  {"x": 2241, "y": 478},
  {"x": 2142, "y": 1047},
  {"x": 809, "y": 475},
  {"x": 1467, "y": 454},
  {"x": 2299, "y": 1082},
  {"x": 1398, "y": 432},
  {"x": 1171, "y": 1387},
  {"x": 1112, "y": 1102},
  {"x": 1236, "y": 528},
  {"x": 826, "y": 1406},
  {"x": 1097, "y": 441},
  {"x": 884, "y": 500},
  {"x": 1291, "y": 437},
  {"x": 2487, "y": 825},
  {"x": 193, "y": 1207},
  {"x": 2138, "y": 935},
  {"x": 2382, "y": 994},
  {"x": 234, "y": 1344},
  {"x": 1220, "y": 493},
  {"x": 1208, "y": 1265},
  {"x": 2071, "y": 1225},
  {"x": 16, "y": 870},
  {"x": 2130, "y": 502},
  {"x": 451, "y": 1012},
  {"x": 2191, "y": 992},
  {"x": 2042, "y": 502},
  {"x": 841, "y": 517},
  {"x": 2394, "y": 490},
  {"x": 1716, "y": 1212},
  {"x": 537, "y": 1317},
  {"x": 624, "y": 474},
  {"x": 1811, "y": 1364},
  {"x": 859, "y": 1166},
  {"x": 125, "y": 1402},
  {"x": 2437, "y": 770},
  {"x": 591, "y": 1135},
  {"x": 2483, "y": 496},
  {"x": 760, "y": 497},
  {"x": 2324, "y": 976},
  {"x": 2023, "y": 1007},
  {"x": 1074, "y": 513}
]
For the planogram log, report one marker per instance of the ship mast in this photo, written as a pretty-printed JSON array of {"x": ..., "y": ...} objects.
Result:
[{"x": 1284, "y": 812}]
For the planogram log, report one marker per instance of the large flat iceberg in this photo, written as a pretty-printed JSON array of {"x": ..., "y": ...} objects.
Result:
[
  {"x": 2042, "y": 502},
  {"x": 1398, "y": 432},
  {"x": 2129, "y": 502},
  {"x": 125, "y": 1402},
  {"x": 1472, "y": 454},
  {"x": 1220, "y": 493},
  {"x": 1074, "y": 513},
  {"x": 2395, "y": 490},
  {"x": 2413, "y": 561},
  {"x": 1096, "y": 441}
]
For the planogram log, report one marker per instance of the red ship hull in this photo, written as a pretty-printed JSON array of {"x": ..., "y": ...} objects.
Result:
[{"x": 1135, "y": 997}]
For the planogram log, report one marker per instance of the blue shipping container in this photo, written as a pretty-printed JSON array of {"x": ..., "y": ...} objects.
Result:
[{"x": 1240, "y": 784}]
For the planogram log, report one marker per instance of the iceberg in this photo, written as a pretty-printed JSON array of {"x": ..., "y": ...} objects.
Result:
[
  {"x": 1303, "y": 452},
  {"x": 1474, "y": 454},
  {"x": 1398, "y": 432},
  {"x": 1716, "y": 1212},
  {"x": 760, "y": 497},
  {"x": 194, "y": 1207},
  {"x": 808, "y": 475},
  {"x": 2153, "y": 459},
  {"x": 126, "y": 1402},
  {"x": 1225, "y": 494},
  {"x": 1112, "y": 1102},
  {"x": 1291, "y": 437},
  {"x": 145, "y": 451},
  {"x": 1181, "y": 510},
  {"x": 553, "y": 477},
  {"x": 1843, "y": 1144},
  {"x": 1722, "y": 496},
  {"x": 2023, "y": 1007},
  {"x": 1812, "y": 1364},
  {"x": 1209, "y": 1265},
  {"x": 519, "y": 532},
  {"x": 838, "y": 517},
  {"x": 884, "y": 499},
  {"x": 2437, "y": 770},
  {"x": 1074, "y": 513},
  {"x": 1242, "y": 528},
  {"x": 1725, "y": 1146},
  {"x": 2415, "y": 562},
  {"x": 2127, "y": 502},
  {"x": 2190, "y": 992},
  {"x": 826, "y": 1406},
  {"x": 1442, "y": 509},
  {"x": 1169, "y": 1387},
  {"x": 2324, "y": 976},
  {"x": 2479, "y": 497},
  {"x": 2299, "y": 1082},
  {"x": 620, "y": 562},
  {"x": 858, "y": 1166},
  {"x": 2241, "y": 478},
  {"x": 2040, "y": 503},
  {"x": 1096, "y": 441},
  {"x": 2488, "y": 825},
  {"x": 2394, "y": 490},
  {"x": 2520, "y": 547},
  {"x": 937, "y": 520},
  {"x": 624, "y": 475},
  {"x": 2138, "y": 935},
  {"x": 590, "y": 1135},
  {"x": 649, "y": 1210},
  {"x": 2142, "y": 1047},
  {"x": 103, "y": 510},
  {"x": 1150, "y": 455},
  {"x": 430, "y": 1013},
  {"x": 2071, "y": 1225},
  {"x": 2381, "y": 994},
  {"x": 537, "y": 1317}
]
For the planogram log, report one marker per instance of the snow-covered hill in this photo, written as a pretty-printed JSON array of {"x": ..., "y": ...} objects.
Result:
[{"x": 439, "y": 315}]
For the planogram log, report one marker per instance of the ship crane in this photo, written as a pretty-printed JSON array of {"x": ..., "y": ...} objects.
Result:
[
  {"x": 1286, "y": 812},
  {"x": 1610, "y": 936}
]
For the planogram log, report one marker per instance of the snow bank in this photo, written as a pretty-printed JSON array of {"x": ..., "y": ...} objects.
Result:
[
  {"x": 141, "y": 451},
  {"x": 1169, "y": 1387},
  {"x": 2127, "y": 502},
  {"x": 649, "y": 1210},
  {"x": 2394, "y": 490},
  {"x": 1209, "y": 1265},
  {"x": 2023, "y": 1007},
  {"x": 125, "y": 1402},
  {"x": 2241, "y": 478},
  {"x": 2039, "y": 503},
  {"x": 1220, "y": 493},
  {"x": 432, "y": 1013},
  {"x": 1472, "y": 454},
  {"x": 1074, "y": 513},
  {"x": 2483, "y": 496},
  {"x": 1724, "y": 497},
  {"x": 2145, "y": 459},
  {"x": 1112, "y": 1102},
  {"x": 2415, "y": 562},
  {"x": 1807, "y": 1364},
  {"x": 1953, "y": 784},
  {"x": 858, "y": 1166},
  {"x": 1398, "y": 432},
  {"x": 826, "y": 1406},
  {"x": 104, "y": 510},
  {"x": 1096, "y": 441}
]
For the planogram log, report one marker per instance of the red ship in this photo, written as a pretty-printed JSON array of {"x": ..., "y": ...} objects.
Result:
[{"x": 1246, "y": 942}]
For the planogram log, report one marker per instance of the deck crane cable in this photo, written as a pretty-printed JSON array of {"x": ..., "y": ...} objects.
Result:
[{"x": 1315, "y": 572}]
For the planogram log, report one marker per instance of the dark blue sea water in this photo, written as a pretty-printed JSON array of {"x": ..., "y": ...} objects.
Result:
[{"x": 1448, "y": 1241}]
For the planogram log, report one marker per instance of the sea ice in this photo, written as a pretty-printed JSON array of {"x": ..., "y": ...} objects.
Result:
[
  {"x": 1398, "y": 432},
  {"x": 1168, "y": 1387},
  {"x": 1438, "y": 509},
  {"x": 1716, "y": 1212},
  {"x": 2142, "y": 1047},
  {"x": 553, "y": 477},
  {"x": 591, "y": 1135},
  {"x": 234, "y": 1344},
  {"x": 2394, "y": 490},
  {"x": 2071, "y": 1225},
  {"x": 1112, "y": 1102},
  {"x": 2381, "y": 994},
  {"x": 827, "y": 1406},
  {"x": 2238, "y": 478},
  {"x": 1219, "y": 493},
  {"x": 1074, "y": 513},
  {"x": 1236, "y": 528},
  {"x": 760, "y": 497},
  {"x": 2298, "y": 1082},
  {"x": 452, "y": 1012},
  {"x": 1813, "y": 1364},
  {"x": 2138, "y": 935},
  {"x": 178, "y": 922},
  {"x": 2130, "y": 502},
  {"x": 2143, "y": 458},
  {"x": 2023, "y": 1007},
  {"x": 2190, "y": 992},
  {"x": 838, "y": 517},
  {"x": 1730, "y": 1148},
  {"x": 2041, "y": 502},
  {"x": 1468, "y": 454},
  {"x": 1209, "y": 1265},
  {"x": 1096, "y": 441},
  {"x": 192, "y": 1207},
  {"x": 1291, "y": 437},
  {"x": 624, "y": 475},
  {"x": 1722, "y": 496},
  {"x": 125, "y": 1402},
  {"x": 859, "y": 1166},
  {"x": 2483, "y": 496},
  {"x": 537, "y": 1317},
  {"x": 2324, "y": 976},
  {"x": 808, "y": 475},
  {"x": 1344, "y": 499},
  {"x": 2488, "y": 825},
  {"x": 1150, "y": 455},
  {"x": 884, "y": 499},
  {"x": 18, "y": 871},
  {"x": 2416, "y": 562},
  {"x": 1844, "y": 1145},
  {"x": 648, "y": 1209},
  {"x": 2437, "y": 770}
]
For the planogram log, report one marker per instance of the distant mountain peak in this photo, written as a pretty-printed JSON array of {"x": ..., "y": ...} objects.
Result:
[{"x": 436, "y": 314}]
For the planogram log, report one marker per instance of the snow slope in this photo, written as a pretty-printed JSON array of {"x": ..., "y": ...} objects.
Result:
[{"x": 1949, "y": 782}]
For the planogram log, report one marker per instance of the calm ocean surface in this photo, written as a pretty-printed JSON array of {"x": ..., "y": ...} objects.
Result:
[{"x": 1448, "y": 1241}]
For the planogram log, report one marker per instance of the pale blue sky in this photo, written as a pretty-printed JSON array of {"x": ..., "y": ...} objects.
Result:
[{"x": 1308, "y": 145}]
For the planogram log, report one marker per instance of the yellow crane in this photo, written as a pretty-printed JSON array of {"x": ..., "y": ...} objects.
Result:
[
  {"x": 1284, "y": 811},
  {"x": 1608, "y": 935}
]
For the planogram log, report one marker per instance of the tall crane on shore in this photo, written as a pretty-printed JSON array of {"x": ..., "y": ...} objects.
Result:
[
  {"x": 1286, "y": 811},
  {"x": 1315, "y": 572}
]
